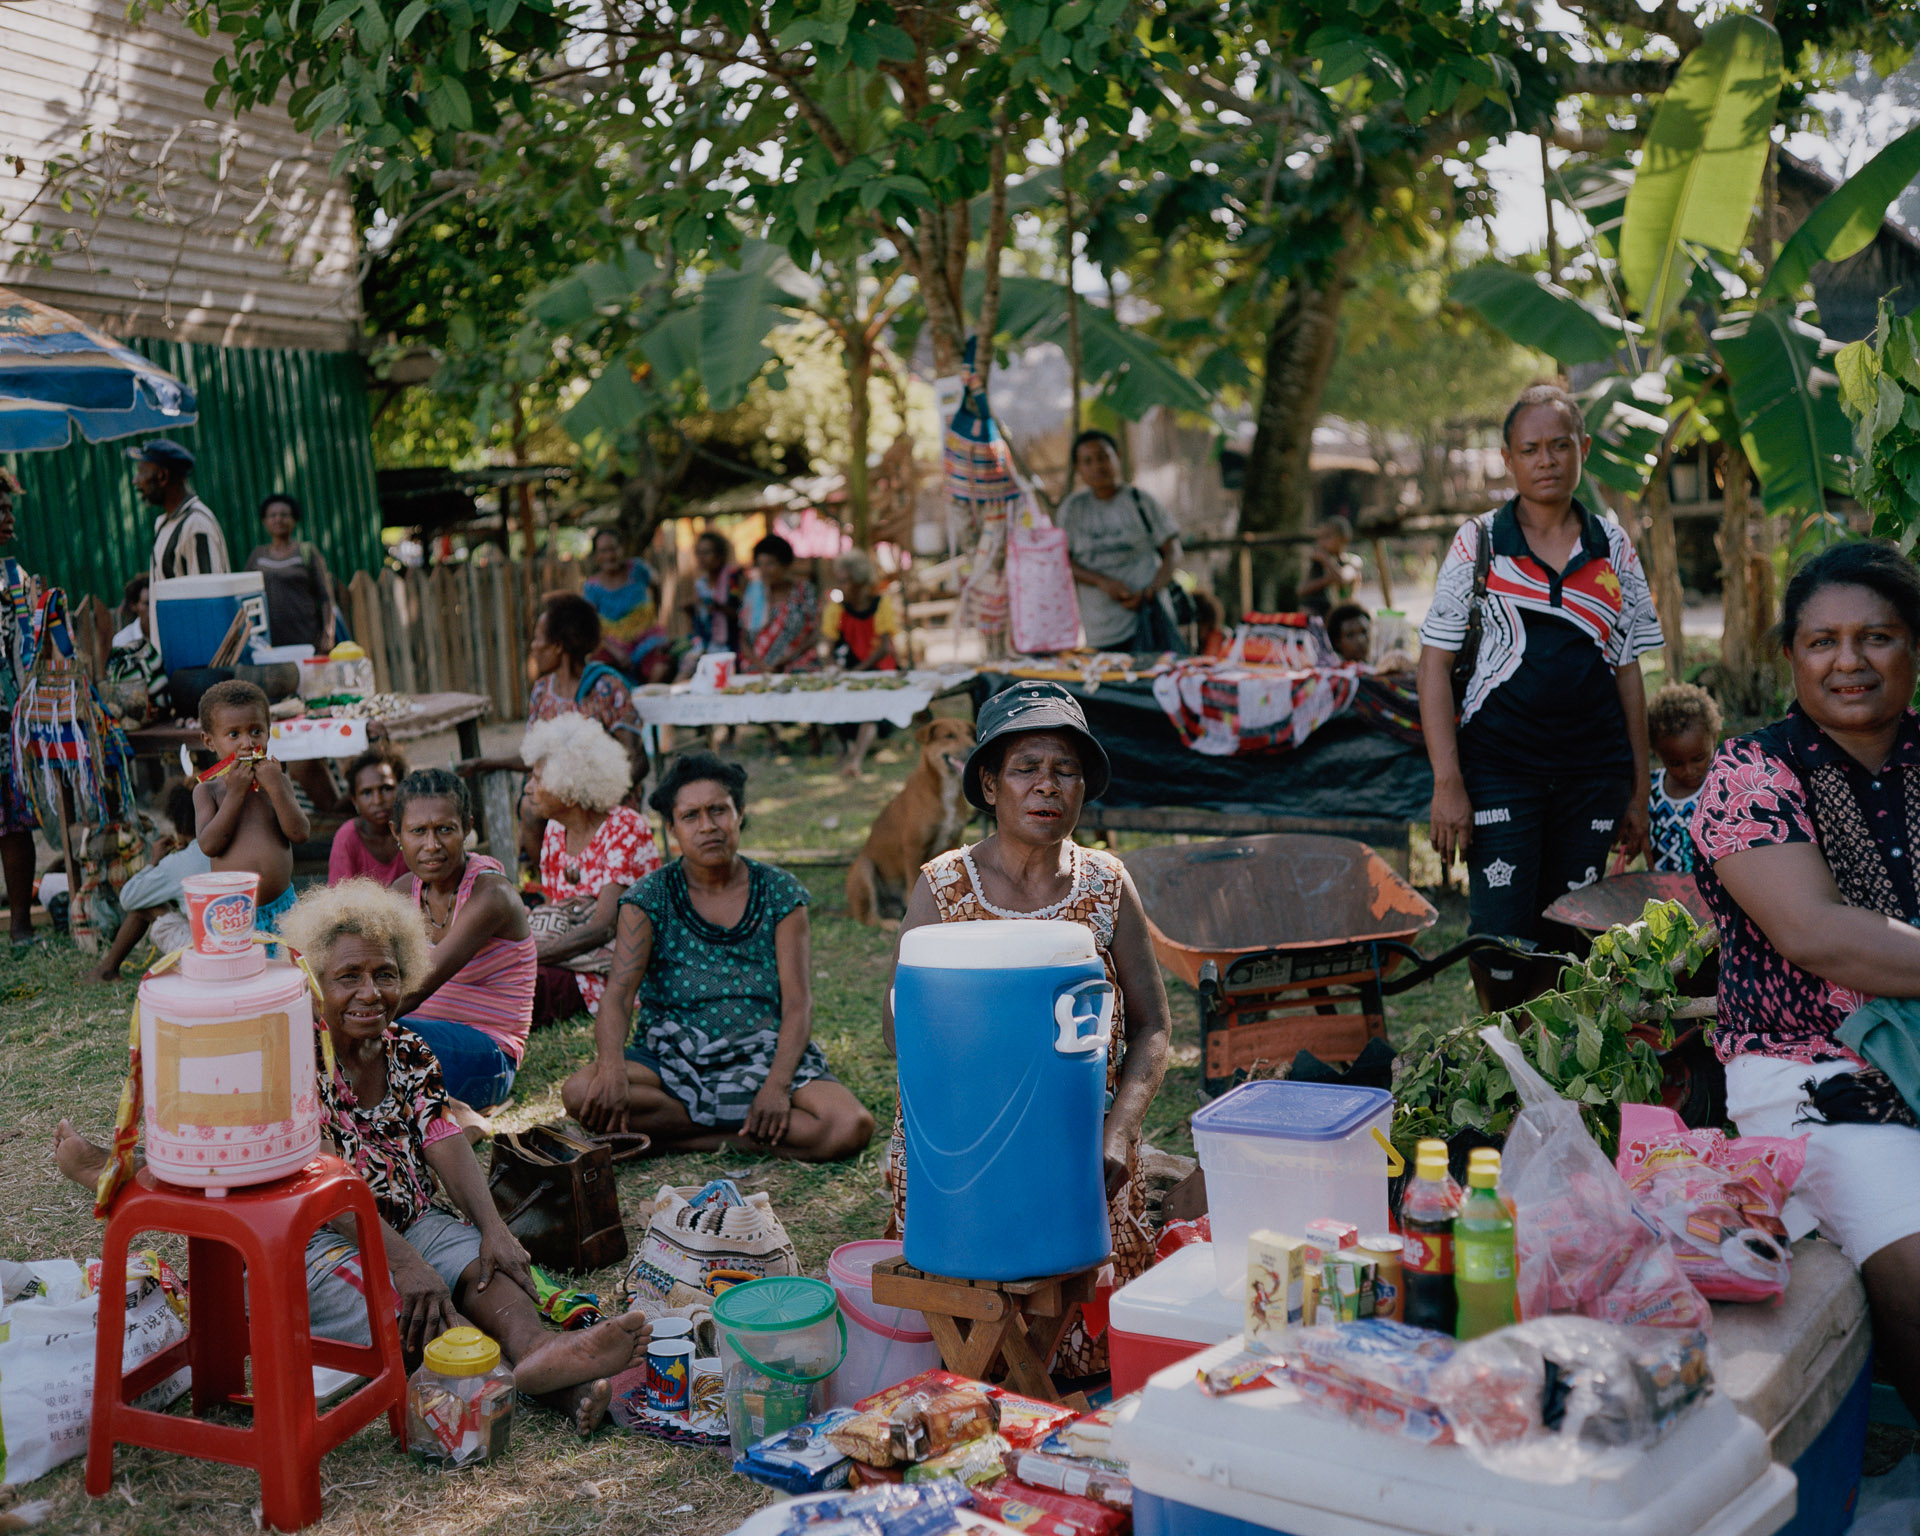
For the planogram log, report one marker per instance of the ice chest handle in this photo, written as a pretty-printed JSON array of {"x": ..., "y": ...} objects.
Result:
[
  {"x": 791, "y": 1378},
  {"x": 1071, "y": 1038}
]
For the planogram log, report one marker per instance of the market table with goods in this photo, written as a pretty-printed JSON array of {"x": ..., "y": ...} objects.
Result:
[
  {"x": 802, "y": 698},
  {"x": 1485, "y": 1300}
]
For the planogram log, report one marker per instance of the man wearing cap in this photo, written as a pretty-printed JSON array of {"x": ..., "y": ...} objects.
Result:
[{"x": 187, "y": 540}]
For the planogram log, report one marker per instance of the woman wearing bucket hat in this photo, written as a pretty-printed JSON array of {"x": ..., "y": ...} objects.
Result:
[{"x": 1033, "y": 767}]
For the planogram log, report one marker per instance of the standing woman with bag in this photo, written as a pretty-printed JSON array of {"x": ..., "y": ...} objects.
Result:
[
  {"x": 299, "y": 590},
  {"x": 1539, "y": 618},
  {"x": 1123, "y": 547}
]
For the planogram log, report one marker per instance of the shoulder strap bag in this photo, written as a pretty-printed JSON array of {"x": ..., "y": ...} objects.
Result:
[
  {"x": 1468, "y": 656},
  {"x": 1177, "y": 595},
  {"x": 555, "y": 1191}
]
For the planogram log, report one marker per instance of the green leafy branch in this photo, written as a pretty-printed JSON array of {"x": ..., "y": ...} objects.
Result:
[
  {"x": 1581, "y": 1038},
  {"x": 1880, "y": 392}
]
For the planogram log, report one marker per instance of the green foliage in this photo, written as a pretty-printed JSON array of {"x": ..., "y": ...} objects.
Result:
[
  {"x": 1880, "y": 391},
  {"x": 1580, "y": 1038},
  {"x": 1701, "y": 166},
  {"x": 1848, "y": 218},
  {"x": 1790, "y": 425},
  {"x": 1539, "y": 314}
]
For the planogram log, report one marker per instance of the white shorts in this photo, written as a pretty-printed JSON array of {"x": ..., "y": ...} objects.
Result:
[{"x": 1861, "y": 1184}]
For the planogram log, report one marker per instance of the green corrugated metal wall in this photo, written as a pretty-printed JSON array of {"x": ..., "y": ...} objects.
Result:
[{"x": 271, "y": 419}]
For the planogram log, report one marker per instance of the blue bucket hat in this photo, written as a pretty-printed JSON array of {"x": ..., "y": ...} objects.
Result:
[{"x": 1024, "y": 708}]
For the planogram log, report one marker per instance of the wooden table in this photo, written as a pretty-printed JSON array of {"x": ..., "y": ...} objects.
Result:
[
  {"x": 431, "y": 713},
  {"x": 976, "y": 1321}
]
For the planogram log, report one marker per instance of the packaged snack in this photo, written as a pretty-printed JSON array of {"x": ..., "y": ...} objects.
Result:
[
  {"x": 1045, "y": 1511},
  {"x": 1583, "y": 1244},
  {"x": 891, "y": 1509},
  {"x": 1374, "y": 1372},
  {"x": 802, "y": 1459},
  {"x": 1176, "y": 1235},
  {"x": 1718, "y": 1200},
  {"x": 975, "y": 1462},
  {"x": 931, "y": 1424},
  {"x": 1559, "y": 1398},
  {"x": 1330, "y": 1236},
  {"x": 1026, "y": 1421},
  {"x": 925, "y": 1382},
  {"x": 1246, "y": 1372},
  {"x": 866, "y": 1437},
  {"x": 860, "y": 1475},
  {"x": 1092, "y": 1433},
  {"x": 1276, "y": 1285},
  {"x": 1082, "y": 1479}
]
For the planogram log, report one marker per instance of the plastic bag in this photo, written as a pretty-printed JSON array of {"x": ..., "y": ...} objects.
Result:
[
  {"x": 1043, "y": 612},
  {"x": 1561, "y": 1398},
  {"x": 1718, "y": 1200},
  {"x": 1373, "y": 1372},
  {"x": 1583, "y": 1243}
]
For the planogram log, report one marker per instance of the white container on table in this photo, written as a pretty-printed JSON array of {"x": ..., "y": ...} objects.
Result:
[
  {"x": 1264, "y": 1461},
  {"x": 1278, "y": 1155}
]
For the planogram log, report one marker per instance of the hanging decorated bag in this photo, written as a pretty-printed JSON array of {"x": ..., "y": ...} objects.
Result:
[
  {"x": 61, "y": 730},
  {"x": 981, "y": 488},
  {"x": 1043, "y": 614}
]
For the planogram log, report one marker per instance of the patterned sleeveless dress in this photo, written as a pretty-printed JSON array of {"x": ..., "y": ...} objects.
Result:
[{"x": 1093, "y": 900}]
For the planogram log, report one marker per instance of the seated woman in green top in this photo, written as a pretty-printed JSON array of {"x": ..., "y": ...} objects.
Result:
[{"x": 717, "y": 952}]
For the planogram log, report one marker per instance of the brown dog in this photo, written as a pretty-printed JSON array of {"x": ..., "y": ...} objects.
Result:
[{"x": 927, "y": 817}]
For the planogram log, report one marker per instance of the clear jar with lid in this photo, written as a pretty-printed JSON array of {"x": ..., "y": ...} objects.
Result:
[{"x": 460, "y": 1402}]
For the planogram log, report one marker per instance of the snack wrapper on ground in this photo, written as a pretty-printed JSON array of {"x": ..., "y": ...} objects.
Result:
[
  {"x": 802, "y": 1459},
  {"x": 1092, "y": 1433},
  {"x": 1560, "y": 1398},
  {"x": 1718, "y": 1200},
  {"x": 1584, "y": 1245},
  {"x": 1046, "y": 1511},
  {"x": 1419, "y": 1422},
  {"x": 974, "y": 1463},
  {"x": 891, "y": 1509},
  {"x": 931, "y": 1424},
  {"x": 866, "y": 1437}
]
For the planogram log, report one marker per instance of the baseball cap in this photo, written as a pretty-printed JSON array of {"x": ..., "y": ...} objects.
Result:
[{"x": 163, "y": 450}]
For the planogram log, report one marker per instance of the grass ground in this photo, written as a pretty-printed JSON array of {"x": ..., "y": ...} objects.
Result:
[{"x": 63, "y": 1052}]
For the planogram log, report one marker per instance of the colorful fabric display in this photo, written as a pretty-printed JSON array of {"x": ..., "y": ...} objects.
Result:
[{"x": 61, "y": 729}]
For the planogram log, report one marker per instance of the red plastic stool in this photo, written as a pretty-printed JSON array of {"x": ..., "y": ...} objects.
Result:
[{"x": 265, "y": 1230}]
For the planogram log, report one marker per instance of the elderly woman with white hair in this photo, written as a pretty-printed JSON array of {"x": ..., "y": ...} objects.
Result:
[
  {"x": 384, "y": 1110},
  {"x": 593, "y": 849},
  {"x": 859, "y": 623}
]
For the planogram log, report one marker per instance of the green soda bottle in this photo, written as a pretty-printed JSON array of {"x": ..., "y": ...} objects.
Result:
[{"x": 1483, "y": 1258}]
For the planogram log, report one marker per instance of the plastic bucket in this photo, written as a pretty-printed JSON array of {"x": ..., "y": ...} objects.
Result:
[
  {"x": 780, "y": 1339},
  {"x": 885, "y": 1345}
]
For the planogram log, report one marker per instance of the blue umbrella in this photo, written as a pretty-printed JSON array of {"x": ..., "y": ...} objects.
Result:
[{"x": 56, "y": 374}]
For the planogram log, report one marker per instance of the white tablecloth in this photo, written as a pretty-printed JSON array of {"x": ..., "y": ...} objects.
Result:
[{"x": 838, "y": 705}]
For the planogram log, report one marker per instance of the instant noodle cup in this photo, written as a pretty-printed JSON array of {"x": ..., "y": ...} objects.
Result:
[{"x": 220, "y": 910}]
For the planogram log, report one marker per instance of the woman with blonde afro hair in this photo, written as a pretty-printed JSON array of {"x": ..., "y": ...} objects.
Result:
[
  {"x": 384, "y": 1110},
  {"x": 592, "y": 851}
]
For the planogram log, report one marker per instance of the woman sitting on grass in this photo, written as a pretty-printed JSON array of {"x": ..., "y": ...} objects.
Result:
[
  {"x": 368, "y": 845},
  {"x": 593, "y": 849},
  {"x": 717, "y": 951},
  {"x": 384, "y": 1111}
]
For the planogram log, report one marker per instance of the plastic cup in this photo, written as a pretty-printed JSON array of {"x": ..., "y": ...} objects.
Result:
[
  {"x": 670, "y": 1375},
  {"x": 220, "y": 910}
]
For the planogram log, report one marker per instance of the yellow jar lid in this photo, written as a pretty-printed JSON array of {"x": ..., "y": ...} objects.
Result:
[
  {"x": 462, "y": 1352},
  {"x": 347, "y": 650}
]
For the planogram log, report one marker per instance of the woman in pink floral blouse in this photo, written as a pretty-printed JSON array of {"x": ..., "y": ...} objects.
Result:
[{"x": 1808, "y": 830}]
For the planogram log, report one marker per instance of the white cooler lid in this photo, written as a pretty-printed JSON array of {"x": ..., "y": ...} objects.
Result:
[
  {"x": 1179, "y": 1298},
  {"x": 219, "y": 584},
  {"x": 997, "y": 944},
  {"x": 1266, "y": 1458}
]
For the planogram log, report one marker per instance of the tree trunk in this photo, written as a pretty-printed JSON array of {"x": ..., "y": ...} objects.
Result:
[
  {"x": 1074, "y": 354},
  {"x": 996, "y": 243},
  {"x": 1747, "y": 673},
  {"x": 859, "y": 360},
  {"x": 1663, "y": 570},
  {"x": 1300, "y": 351}
]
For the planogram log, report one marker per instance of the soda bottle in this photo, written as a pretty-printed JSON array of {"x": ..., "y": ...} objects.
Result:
[
  {"x": 1428, "y": 1206},
  {"x": 1483, "y": 1251}
]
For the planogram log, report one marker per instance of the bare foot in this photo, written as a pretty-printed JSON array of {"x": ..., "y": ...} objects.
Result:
[
  {"x": 586, "y": 1404},
  {"x": 567, "y": 1359},
  {"x": 76, "y": 1157},
  {"x": 101, "y": 974}
]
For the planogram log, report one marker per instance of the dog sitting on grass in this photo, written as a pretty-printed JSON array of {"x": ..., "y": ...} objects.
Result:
[{"x": 928, "y": 816}]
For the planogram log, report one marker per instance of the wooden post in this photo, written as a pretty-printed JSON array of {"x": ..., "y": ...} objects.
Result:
[
  {"x": 498, "y": 823},
  {"x": 1386, "y": 576},
  {"x": 437, "y": 625},
  {"x": 369, "y": 627},
  {"x": 1246, "y": 580},
  {"x": 397, "y": 601}
]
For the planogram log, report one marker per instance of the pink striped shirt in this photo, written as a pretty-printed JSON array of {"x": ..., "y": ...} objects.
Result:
[{"x": 492, "y": 992}]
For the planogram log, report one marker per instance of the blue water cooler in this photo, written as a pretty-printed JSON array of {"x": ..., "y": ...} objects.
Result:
[{"x": 1001, "y": 1030}]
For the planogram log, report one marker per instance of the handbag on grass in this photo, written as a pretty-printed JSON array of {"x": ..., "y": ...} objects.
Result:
[
  {"x": 555, "y": 1191},
  {"x": 690, "y": 1250}
]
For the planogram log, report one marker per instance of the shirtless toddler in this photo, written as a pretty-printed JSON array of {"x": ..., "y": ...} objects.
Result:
[{"x": 247, "y": 819}]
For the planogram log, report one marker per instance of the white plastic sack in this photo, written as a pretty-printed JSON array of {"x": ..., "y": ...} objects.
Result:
[{"x": 46, "y": 1373}]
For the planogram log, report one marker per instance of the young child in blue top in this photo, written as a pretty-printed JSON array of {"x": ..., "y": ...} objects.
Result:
[{"x": 1683, "y": 726}]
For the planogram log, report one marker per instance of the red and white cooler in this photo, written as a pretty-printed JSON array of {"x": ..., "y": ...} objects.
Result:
[{"x": 1174, "y": 1310}]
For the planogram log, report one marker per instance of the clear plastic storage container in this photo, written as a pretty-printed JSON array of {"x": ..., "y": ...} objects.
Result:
[
  {"x": 1278, "y": 1154},
  {"x": 780, "y": 1339},
  {"x": 460, "y": 1402}
]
